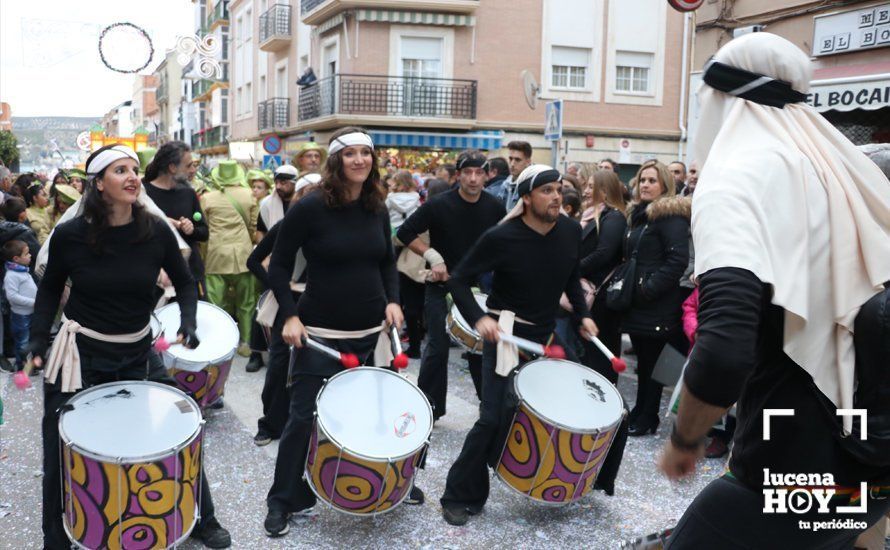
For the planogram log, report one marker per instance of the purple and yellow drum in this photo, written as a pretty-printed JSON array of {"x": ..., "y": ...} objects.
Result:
[
  {"x": 201, "y": 372},
  {"x": 372, "y": 429},
  {"x": 131, "y": 466},
  {"x": 566, "y": 420}
]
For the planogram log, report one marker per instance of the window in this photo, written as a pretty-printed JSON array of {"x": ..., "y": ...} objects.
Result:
[
  {"x": 632, "y": 71},
  {"x": 421, "y": 57},
  {"x": 569, "y": 67}
]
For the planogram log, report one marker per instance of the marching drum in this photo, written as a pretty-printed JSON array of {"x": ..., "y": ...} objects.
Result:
[
  {"x": 201, "y": 372},
  {"x": 130, "y": 466},
  {"x": 372, "y": 428},
  {"x": 459, "y": 329},
  {"x": 565, "y": 422}
]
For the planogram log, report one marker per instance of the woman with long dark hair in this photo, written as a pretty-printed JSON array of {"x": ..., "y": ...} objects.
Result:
[
  {"x": 111, "y": 253},
  {"x": 351, "y": 287}
]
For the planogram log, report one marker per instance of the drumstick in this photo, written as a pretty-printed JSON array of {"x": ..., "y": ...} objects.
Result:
[
  {"x": 400, "y": 361},
  {"x": 348, "y": 360},
  {"x": 618, "y": 364},
  {"x": 553, "y": 352}
]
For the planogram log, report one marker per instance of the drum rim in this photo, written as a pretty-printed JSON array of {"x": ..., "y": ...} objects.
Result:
[
  {"x": 320, "y": 425},
  {"x": 559, "y": 425},
  {"x": 64, "y": 440},
  {"x": 176, "y": 361}
]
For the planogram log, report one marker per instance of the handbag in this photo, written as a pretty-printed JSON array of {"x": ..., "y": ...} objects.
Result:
[
  {"x": 589, "y": 291},
  {"x": 620, "y": 291}
]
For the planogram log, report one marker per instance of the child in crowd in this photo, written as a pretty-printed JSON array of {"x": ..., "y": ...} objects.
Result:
[{"x": 20, "y": 291}]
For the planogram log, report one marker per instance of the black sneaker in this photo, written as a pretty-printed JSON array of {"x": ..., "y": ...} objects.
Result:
[
  {"x": 455, "y": 515},
  {"x": 255, "y": 363},
  {"x": 261, "y": 439},
  {"x": 212, "y": 534},
  {"x": 217, "y": 405},
  {"x": 415, "y": 496},
  {"x": 6, "y": 365},
  {"x": 276, "y": 524}
]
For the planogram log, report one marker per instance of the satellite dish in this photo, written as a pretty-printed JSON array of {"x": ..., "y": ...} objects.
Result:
[{"x": 530, "y": 88}]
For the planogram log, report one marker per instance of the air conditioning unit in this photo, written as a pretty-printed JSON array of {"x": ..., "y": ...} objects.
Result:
[{"x": 742, "y": 31}]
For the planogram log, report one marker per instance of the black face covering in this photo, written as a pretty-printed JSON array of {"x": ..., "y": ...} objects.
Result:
[{"x": 751, "y": 86}]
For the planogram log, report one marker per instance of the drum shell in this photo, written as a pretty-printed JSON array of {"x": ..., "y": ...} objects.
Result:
[
  {"x": 550, "y": 463},
  {"x": 461, "y": 333},
  {"x": 388, "y": 480},
  {"x": 107, "y": 501},
  {"x": 206, "y": 385}
]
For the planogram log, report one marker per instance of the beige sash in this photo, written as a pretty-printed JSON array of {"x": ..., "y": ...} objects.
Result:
[
  {"x": 507, "y": 353},
  {"x": 64, "y": 356},
  {"x": 383, "y": 355}
]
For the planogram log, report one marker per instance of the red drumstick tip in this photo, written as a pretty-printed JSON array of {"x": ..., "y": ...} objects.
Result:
[
  {"x": 618, "y": 365},
  {"x": 162, "y": 345},
  {"x": 349, "y": 360},
  {"x": 21, "y": 380},
  {"x": 400, "y": 361},
  {"x": 555, "y": 352}
]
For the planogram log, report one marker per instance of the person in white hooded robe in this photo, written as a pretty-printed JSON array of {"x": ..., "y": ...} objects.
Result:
[{"x": 791, "y": 225}]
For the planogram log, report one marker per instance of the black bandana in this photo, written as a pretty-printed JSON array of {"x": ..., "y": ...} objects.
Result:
[
  {"x": 751, "y": 86},
  {"x": 526, "y": 186},
  {"x": 470, "y": 160}
]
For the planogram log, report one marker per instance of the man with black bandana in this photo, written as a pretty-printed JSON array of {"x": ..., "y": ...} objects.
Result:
[
  {"x": 455, "y": 221},
  {"x": 534, "y": 254},
  {"x": 273, "y": 207}
]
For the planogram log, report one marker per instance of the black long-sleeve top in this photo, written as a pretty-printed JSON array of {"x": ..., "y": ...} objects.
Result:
[
  {"x": 531, "y": 271},
  {"x": 261, "y": 251},
  {"x": 183, "y": 202},
  {"x": 351, "y": 269},
  {"x": 738, "y": 356},
  {"x": 454, "y": 224},
  {"x": 112, "y": 293},
  {"x": 601, "y": 245}
]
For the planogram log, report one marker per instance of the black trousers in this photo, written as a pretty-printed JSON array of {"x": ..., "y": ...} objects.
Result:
[
  {"x": 433, "y": 377},
  {"x": 275, "y": 396},
  {"x": 53, "y": 398},
  {"x": 648, "y": 348},
  {"x": 609, "y": 324},
  {"x": 290, "y": 492},
  {"x": 728, "y": 515},
  {"x": 258, "y": 341},
  {"x": 412, "y": 294}
]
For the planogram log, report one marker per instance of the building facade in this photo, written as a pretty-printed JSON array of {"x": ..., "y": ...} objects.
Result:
[
  {"x": 144, "y": 104},
  {"x": 168, "y": 97},
  {"x": 119, "y": 120},
  {"x": 849, "y": 45},
  {"x": 443, "y": 75}
]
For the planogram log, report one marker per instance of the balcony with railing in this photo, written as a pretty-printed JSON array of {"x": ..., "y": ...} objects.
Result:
[
  {"x": 273, "y": 114},
  {"x": 275, "y": 28},
  {"x": 162, "y": 95},
  {"x": 218, "y": 16},
  {"x": 384, "y": 99},
  {"x": 202, "y": 89},
  {"x": 209, "y": 138},
  {"x": 314, "y": 12}
]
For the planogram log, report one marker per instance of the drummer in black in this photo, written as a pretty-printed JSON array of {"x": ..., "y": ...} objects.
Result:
[
  {"x": 111, "y": 255},
  {"x": 534, "y": 255},
  {"x": 455, "y": 221}
]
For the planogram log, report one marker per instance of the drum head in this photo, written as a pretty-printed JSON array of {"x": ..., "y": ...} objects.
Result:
[
  {"x": 569, "y": 395},
  {"x": 217, "y": 332},
  {"x": 374, "y": 413},
  {"x": 459, "y": 319},
  {"x": 129, "y": 420}
]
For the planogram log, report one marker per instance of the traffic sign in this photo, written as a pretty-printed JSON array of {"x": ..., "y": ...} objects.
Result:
[
  {"x": 271, "y": 162},
  {"x": 272, "y": 144},
  {"x": 553, "y": 120}
]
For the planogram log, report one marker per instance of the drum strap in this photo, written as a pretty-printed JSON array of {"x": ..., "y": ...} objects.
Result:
[
  {"x": 64, "y": 356},
  {"x": 383, "y": 354}
]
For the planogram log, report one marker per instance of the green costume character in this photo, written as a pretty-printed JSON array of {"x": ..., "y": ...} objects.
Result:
[{"x": 231, "y": 213}]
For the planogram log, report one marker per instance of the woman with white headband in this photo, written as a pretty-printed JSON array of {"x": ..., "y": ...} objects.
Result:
[
  {"x": 352, "y": 294},
  {"x": 111, "y": 253}
]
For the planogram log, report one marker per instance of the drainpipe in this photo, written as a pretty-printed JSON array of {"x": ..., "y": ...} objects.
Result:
[{"x": 684, "y": 79}]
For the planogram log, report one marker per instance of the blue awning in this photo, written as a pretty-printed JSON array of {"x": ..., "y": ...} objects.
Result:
[{"x": 484, "y": 139}]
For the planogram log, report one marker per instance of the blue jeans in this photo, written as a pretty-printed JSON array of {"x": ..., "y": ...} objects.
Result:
[{"x": 21, "y": 330}]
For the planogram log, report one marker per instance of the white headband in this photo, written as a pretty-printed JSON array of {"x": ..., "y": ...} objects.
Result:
[
  {"x": 348, "y": 140},
  {"x": 308, "y": 179},
  {"x": 106, "y": 157}
]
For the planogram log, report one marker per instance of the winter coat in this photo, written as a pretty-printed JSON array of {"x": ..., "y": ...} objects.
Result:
[
  {"x": 20, "y": 289},
  {"x": 41, "y": 222},
  {"x": 400, "y": 206},
  {"x": 14, "y": 230},
  {"x": 661, "y": 260},
  {"x": 601, "y": 245}
]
